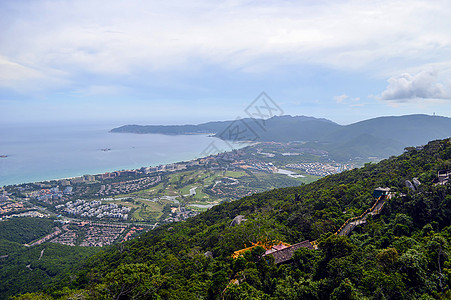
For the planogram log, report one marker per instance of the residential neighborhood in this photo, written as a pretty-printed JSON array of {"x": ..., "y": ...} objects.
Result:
[
  {"x": 318, "y": 169},
  {"x": 158, "y": 194},
  {"x": 94, "y": 209}
]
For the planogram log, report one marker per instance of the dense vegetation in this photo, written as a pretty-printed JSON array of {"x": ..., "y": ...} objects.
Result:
[
  {"x": 25, "y": 230},
  {"x": 403, "y": 253},
  {"x": 34, "y": 268}
]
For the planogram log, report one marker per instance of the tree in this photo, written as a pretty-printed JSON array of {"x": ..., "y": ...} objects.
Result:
[
  {"x": 414, "y": 265},
  {"x": 243, "y": 291},
  {"x": 133, "y": 281},
  {"x": 437, "y": 250},
  {"x": 33, "y": 296},
  {"x": 387, "y": 257},
  {"x": 336, "y": 246},
  {"x": 345, "y": 291}
]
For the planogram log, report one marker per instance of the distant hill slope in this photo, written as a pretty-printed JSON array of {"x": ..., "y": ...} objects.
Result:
[
  {"x": 284, "y": 128},
  {"x": 379, "y": 137},
  {"x": 387, "y": 136},
  {"x": 210, "y": 127}
]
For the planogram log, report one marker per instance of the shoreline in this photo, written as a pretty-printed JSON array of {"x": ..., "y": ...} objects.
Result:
[
  {"x": 93, "y": 174},
  {"x": 68, "y": 150},
  {"x": 162, "y": 165}
]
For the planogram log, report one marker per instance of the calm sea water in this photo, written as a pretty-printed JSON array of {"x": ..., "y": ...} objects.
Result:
[{"x": 45, "y": 152}]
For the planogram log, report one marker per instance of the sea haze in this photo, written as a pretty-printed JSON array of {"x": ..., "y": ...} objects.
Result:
[{"x": 45, "y": 152}]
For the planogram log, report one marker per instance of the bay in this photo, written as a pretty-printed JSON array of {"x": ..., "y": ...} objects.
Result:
[{"x": 42, "y": 152}]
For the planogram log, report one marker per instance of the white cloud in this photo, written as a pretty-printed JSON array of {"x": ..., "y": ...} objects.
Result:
[
  {"x": 341, "y": 98},
  {"x": 28, "y": 78},
  {"x": 13, "y": 71},
  {"x": 106, "y": 36},
  {"x": 76, "y": 42},
  {"x": 346, "y": 100},
  {"x": 423, "y": 85}
]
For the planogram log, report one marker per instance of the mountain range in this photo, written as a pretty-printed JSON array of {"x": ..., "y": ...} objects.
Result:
[{"x": 377, "y": 137}]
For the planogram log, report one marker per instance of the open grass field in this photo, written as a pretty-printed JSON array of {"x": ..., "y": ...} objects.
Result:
[
  {"x": 147, "y": 210},
  {"x": 309, "y": 178},
  {"x": 235, "y": 174}
]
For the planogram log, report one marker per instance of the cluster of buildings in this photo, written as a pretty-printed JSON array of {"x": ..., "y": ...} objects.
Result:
[
  {"x": 123, "y": 173},
  {"x": 94, "y": 209},
  {"x": 99, "y": 236},
  {"x": 29, "y": 214},
  {"x": 46, "y": 238},
  {"x": 129, "y": 235},
  {"x": 288, "y": 149},
  {"x": 443, "y": 177},
  {"x": 52, "y": 195},
  {"x": 232, "y": 192},
  {"x": 301, "y": 151},
  {"x": 7, "y": 207},
  {"x": 230, "y": 156},
  {"x": 4, "y": 197},
  {"x": 255, "y": 166},
  {"x": 180, "y": 215},
  {"x": 164, "y": 168},
  {"x": 126, "y": 187},
  {"x": 317, "y": 168},
  {"x": 93, "y": 178},
  {"x": 68, "y": 237},
  {"x": 230, "y": 187},
  {"x": 89, "y": 234}
]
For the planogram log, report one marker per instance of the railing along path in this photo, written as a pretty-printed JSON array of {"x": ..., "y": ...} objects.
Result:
[{"x": 350, "y": 223}]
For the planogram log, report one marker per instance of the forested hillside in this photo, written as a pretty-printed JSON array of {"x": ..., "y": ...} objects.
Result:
[
  {"x": 25, "y": 230},
  {"x": 402, "y": 253},
  {"x": 35, "y": 268},
  {"x": 25, "y": 268}
]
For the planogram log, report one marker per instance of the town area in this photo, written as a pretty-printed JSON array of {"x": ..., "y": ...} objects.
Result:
[{"x": 97, "y": 210}]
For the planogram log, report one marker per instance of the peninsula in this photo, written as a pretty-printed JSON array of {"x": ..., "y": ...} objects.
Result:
[{"x": 378, "y": 137}]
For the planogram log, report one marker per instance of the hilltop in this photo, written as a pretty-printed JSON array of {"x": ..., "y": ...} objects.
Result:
[
  {"x": 401, "y": 253},
  {"x": 378, "y": 137}
]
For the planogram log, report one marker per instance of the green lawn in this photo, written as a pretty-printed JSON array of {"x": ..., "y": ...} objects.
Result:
[
  {"x": 309, "y": 178},
  {"x": 149, "y": 209},
  {"x": 122, "y": 202},
  {"x": 235, "y": 174},
  {"x": 185, "y": 190}
]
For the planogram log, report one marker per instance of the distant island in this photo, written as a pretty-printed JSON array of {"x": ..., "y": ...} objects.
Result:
[{"x": 378, "y": 137}]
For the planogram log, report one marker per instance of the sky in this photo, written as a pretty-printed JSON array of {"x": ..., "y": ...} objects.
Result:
[{"x": 179, "y": 62}]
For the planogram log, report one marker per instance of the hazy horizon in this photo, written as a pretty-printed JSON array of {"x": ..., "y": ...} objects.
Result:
[{"x": 175, "y": 121}]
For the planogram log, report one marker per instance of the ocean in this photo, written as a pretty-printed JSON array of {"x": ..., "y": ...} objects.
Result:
[{"x": 54, "y": 151}]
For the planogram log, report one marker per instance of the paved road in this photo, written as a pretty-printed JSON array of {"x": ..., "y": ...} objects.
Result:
[{"x": 350, "y": 226}]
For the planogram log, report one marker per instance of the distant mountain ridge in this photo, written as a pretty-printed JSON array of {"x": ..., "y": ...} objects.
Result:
[
  {"x": 273, "y": 129},
  {"x": 378, "y": 137}
]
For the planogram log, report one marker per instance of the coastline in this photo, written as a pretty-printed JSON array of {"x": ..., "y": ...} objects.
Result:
[
  {"x": 71, "y": 175},
  {"x": 51, "y": 152},
  {"x": 94, "y": 173}
]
